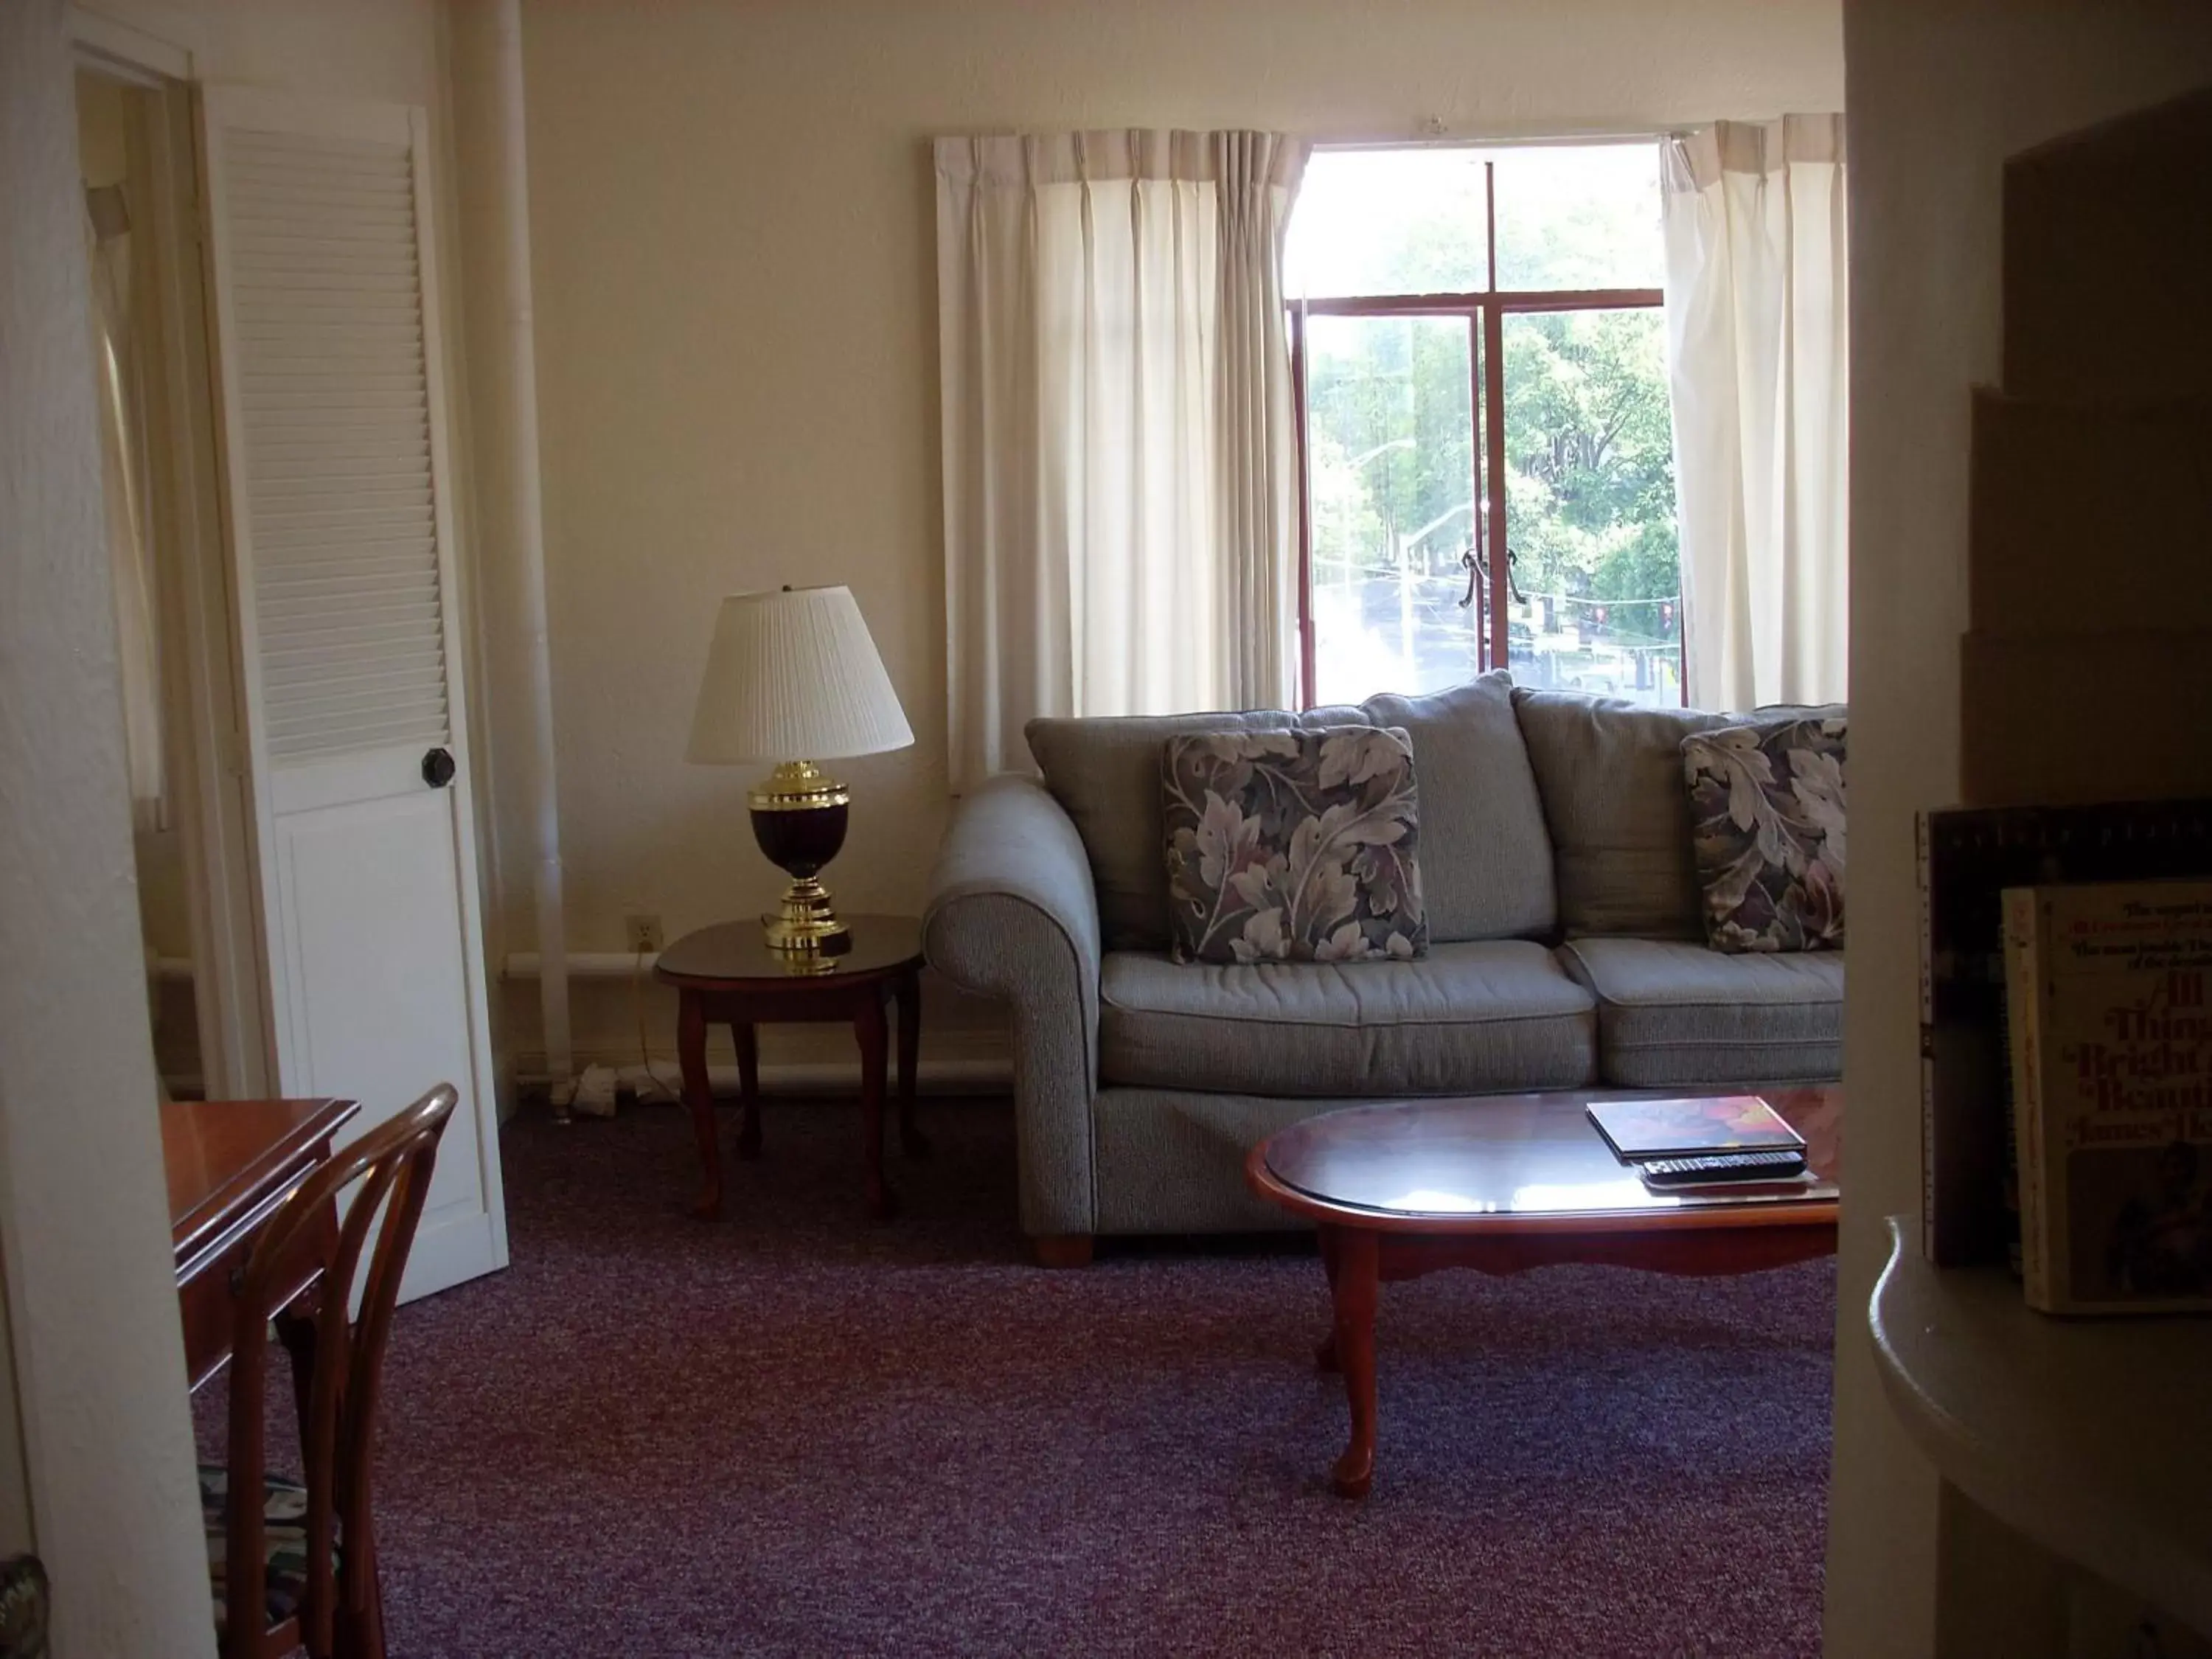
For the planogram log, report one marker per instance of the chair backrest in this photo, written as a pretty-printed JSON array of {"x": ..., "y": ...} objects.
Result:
[{"x": 394, "y": 1163}]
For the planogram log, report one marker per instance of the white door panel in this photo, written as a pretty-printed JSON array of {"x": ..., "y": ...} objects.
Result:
[
  {"x": 322, "y": 271},
  {"x": 368, "y": 896},
  {"x": 375, "y": 774}
]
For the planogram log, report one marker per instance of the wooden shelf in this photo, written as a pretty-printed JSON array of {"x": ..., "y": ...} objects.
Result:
[{"x": 2091, "y": 1436}]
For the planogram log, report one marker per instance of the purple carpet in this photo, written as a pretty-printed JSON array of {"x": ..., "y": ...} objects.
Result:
[{"x": 799, "y": 1432}]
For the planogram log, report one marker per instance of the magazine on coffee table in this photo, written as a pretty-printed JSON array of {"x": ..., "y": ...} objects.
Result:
[{"x": 1639, "y": 1130}]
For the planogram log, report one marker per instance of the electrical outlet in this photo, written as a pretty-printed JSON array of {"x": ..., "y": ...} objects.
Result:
[{"x": 643, "y": 928}]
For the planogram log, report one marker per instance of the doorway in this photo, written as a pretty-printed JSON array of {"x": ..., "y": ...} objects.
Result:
[
  {"x": 264, "y": 331},
  {"x": 177, "y": 657}
]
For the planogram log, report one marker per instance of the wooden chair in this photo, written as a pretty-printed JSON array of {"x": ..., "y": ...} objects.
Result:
[
  {"x": 22, "y": 1608},
  {"x": 297, "y": 1563}
]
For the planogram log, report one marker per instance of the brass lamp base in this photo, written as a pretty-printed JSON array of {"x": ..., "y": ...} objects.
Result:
[
  {"x": 804, "y": 920},
  {"x": 798, "y": 819}
]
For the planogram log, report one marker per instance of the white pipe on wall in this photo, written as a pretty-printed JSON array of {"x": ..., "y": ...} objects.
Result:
[
  {"x": 579, "y": 964},
  {"x": 530, "y": 544}
]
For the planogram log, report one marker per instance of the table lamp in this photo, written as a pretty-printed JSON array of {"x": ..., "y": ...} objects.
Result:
[{"x": 795, "y": 673}]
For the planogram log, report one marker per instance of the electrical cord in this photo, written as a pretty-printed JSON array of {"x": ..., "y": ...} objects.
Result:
[{"x": 674, "y": 1091}]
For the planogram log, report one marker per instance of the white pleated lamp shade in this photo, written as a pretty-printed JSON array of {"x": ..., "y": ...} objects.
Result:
[{"x": 794, "y": 676}]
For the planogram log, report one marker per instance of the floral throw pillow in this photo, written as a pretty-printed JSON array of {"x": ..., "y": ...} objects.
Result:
[
  {"x": 1767, "y": 806},
  {"x": 1293, "y": 846}
]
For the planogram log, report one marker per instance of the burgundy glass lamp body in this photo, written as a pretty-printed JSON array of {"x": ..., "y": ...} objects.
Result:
[{"x": 798, "y": 819}]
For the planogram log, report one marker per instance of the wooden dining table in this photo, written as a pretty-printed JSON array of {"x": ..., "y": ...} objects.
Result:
[{"x": 231, "y": 1165}]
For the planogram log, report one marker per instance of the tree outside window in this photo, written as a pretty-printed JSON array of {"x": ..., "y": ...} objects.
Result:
[{"x": 1448, "y": 416}]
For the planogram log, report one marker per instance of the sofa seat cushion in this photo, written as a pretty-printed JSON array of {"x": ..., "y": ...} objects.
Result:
[
  {"x": 1467, "y": 1018},
  {"x": 1676, "y": 1015}
]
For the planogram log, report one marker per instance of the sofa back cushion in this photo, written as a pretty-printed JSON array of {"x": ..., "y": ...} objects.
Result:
[
  {"x": 1610, "y": 774},
  {"x": 1485, "y": 860},
  {"x": 1105, "y": 772}
]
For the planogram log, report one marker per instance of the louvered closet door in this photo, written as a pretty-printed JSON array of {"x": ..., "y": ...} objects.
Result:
[{"x": 334, "y": 418}]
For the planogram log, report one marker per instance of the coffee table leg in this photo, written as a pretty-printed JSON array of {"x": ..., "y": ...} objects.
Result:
[
  {"x": 868, "y": 1024},
  {"x": 1325, "y": 1355},
  {"x": 699, "y": 1094},
  {"x": 911, "y": 1144},
  {"x": 1354, "y": 1287},
  {"x": 748, "y": 1123}
]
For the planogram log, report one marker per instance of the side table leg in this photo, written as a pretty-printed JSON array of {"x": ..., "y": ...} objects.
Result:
[
  {"x": 1354, "y": 1287},
  {"x": 911, "y": 1144},
  {"x": 749, "y": 1124},
  {"x": 869, "y": 1025},
  {"x": 699, "y": 1094}
]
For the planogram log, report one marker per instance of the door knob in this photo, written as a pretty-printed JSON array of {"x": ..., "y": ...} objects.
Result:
[{"x": 437, "y": 768}]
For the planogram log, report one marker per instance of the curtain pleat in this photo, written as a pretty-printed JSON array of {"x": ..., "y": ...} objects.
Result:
[
  {"x": 1119, "y": 526},
  {"x": 1255, "y": 433},
  {"x": 1755, "y": 239}
]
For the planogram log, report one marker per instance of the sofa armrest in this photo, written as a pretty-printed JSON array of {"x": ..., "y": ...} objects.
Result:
[{"x": 1012, "y": 913}]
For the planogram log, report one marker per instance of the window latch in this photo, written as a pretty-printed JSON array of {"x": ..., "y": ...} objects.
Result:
[{"x": 1478, "y": 570}]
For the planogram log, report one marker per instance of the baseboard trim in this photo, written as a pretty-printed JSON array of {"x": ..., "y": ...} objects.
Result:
[{"x": 975, "y": 1075}]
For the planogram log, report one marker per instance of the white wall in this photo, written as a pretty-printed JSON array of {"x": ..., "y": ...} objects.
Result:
[
  {"x": 1940, "y": 92},
  {"x": 97, "y": 1356},
  {"x": 732, "y": 231}
]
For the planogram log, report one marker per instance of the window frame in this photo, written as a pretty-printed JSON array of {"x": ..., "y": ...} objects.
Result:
[{"x": 1484, "y": 311}]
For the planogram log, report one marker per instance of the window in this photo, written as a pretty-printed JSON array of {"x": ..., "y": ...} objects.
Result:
[{"x": 1487, "y": 452}]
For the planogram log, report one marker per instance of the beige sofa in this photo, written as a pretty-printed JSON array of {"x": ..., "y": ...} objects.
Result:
[{"x": 1566, "y": 950}]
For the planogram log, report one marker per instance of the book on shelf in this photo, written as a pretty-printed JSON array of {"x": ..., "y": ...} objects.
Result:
[
  {"x": 2112, "y": 1070},
  {"x": 1638, "y": 1130},
  {"x": 1967, "y": 857}
]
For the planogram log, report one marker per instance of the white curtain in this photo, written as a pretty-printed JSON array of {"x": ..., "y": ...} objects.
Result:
[
  {"x": 1757, "y": 346},
  {"x": 107, "y": 239},
  {"x": 1119, "y": 449}
]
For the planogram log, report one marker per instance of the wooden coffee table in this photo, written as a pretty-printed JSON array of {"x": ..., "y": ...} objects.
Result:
[{"x": 1506, "y": 1183}]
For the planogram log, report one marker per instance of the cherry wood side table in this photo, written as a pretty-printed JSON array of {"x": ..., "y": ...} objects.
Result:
[
  {"x": 727, "y": 976},
  {"x": 1506, "y": 1183}
]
